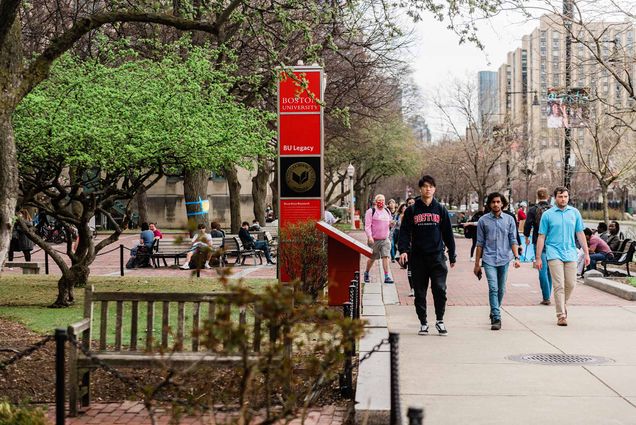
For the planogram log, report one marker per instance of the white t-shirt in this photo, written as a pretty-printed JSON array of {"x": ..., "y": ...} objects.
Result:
[
  {"x": 202, "y": 239},
  {"x": 329, "y": 217}
]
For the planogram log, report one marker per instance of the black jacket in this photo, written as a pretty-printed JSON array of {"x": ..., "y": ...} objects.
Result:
[
  {"x": 246, "y": 238},
  {"x": 426, "y": 230}
]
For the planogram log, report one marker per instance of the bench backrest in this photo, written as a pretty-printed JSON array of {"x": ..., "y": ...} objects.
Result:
[
  {"x": 231, "y": 243},
  {"x": 176, "y": 325},
  {"x": 628, "y": 252}
]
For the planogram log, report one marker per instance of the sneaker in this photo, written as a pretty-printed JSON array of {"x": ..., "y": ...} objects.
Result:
[
  {"x": 186, "y": 266},
  {"x": 562, "y": 321},
  {"x": 441, "y": 328},
  {"x": 207, "y": 266},
  {"x": 472, "y": 259},
  {"x": 366, "y": 277},
  {"x": 496, "y": 325},
  {"x": 545, "y": 302},
  {"x": 393, "y": 260},
  {"x": 387, "y": 279},
  {"x": 412, "y": 292},
  {"x": 423, "y": 330}
]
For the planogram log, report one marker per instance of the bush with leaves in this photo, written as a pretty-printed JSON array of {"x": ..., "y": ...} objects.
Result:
[
  {"x": 20, "y": 415},
  {"x": 302, "y": 255}
]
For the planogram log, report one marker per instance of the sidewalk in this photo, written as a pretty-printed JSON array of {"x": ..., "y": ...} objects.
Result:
[{"x": 467, "y": 377}]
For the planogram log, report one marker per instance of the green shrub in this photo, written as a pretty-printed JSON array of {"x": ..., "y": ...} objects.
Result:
[{"x": 20, "y": 415}]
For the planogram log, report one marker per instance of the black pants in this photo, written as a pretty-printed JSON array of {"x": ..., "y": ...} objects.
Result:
[
  {"x": 26, "y": 252},
  {"x": 409, "y": 274},
  {"x": 472, "y": 247},
  {"x": 431, "y": 268}
]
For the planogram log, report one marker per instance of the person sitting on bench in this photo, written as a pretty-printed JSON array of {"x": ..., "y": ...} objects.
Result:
[
  {"x": 249, "y": 242},
  {"x": 201, "y": 242}
]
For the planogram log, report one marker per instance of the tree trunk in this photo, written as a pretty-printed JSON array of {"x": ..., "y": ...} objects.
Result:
[
  {"x": 76, "y": 276},
  {"x": 605, "y": 205},
  {"x": 142, "y": 204},
  {"x": 274, "y": 188},
  {"x": 10, "y": 71},
  {"x": 195, "y": 188},
  {"x": 259, "y": 189},
  {"x": 234, "y": 187}
]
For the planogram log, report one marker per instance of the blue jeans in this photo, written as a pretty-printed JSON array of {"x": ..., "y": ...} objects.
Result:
[
  {"x": 496, "y": 276},
  {"x": 545, "y": 280},
  {"x": 597, "y": 256}
]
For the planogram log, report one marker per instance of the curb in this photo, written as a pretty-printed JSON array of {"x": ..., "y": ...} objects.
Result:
[{"x": 621, "y": 290}]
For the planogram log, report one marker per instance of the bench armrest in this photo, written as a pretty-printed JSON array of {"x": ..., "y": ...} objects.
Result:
[{"x": 79, "y": 327}]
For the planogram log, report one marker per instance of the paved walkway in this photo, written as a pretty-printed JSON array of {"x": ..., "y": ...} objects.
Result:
[
  {"x": 134, "y": 413},
  {"x": 467, "y": 377}
]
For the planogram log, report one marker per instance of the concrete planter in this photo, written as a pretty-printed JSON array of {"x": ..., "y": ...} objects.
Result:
[{"x": 622, "y": 290}]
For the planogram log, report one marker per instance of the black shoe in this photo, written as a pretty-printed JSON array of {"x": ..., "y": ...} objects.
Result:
[
  {"x": 496, "y": 325},
  {"x": 441, "y": 328},
  {"x": 423, "y": 329},
  {"x": 271, "y": 263}
]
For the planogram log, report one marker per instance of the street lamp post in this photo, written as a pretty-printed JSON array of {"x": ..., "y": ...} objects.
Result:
[{"x": 350, "y": 171}]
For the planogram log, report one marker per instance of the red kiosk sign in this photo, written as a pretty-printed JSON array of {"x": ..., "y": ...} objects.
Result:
[{"x": 300, "y": 146}]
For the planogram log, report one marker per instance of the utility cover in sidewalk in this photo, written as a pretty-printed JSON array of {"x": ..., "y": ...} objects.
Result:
[{"x": 559, "y": 359}]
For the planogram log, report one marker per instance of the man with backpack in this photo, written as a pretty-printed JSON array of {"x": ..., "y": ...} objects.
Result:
[
  {"x": 377, "y": 224},
  {"x": 533, "y": 220}
]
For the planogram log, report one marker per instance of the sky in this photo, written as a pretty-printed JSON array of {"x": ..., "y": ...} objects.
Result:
[{"x": 436, "y": 57}]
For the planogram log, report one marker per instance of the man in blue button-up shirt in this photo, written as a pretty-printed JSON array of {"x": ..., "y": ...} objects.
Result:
[
  {"x": 557, "y": 229},
  {"x": 496, "y": 246}
]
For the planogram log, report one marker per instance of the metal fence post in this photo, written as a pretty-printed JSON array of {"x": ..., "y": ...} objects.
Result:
[
  {"x": 415, "y": 416},
  {"x": 346, "y": 378},
  {"x": 396, "y": 417},
  {"x": 60, "y": 396},
  {"x": 46, "y": 262},
  {"x": 121, "y": 259}
]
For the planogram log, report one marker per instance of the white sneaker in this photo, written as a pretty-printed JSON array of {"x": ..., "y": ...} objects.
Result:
[
  {"x": 207, "y": 266},
  {"x": 441, "y": 328},
  {"x": 412, "y": 292},
  {"x": 472, "y": 259},
  {"x": 423, "y": 330},
  {"x": 186, "y": 266}
]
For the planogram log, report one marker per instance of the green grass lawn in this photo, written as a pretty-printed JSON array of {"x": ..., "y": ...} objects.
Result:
[
  {"x": 631, "y": 281},
  {"x": 25, "y": 299}
]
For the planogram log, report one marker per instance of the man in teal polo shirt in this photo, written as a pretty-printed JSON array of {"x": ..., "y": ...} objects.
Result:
[{"x": 556, "y": 232}]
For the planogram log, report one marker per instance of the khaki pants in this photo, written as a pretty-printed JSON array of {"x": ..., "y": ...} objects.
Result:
[{"x": 564, "y": 282}]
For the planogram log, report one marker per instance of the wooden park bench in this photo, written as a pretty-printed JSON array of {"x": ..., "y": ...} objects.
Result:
[
  {"x": 623, "y": 256},
  {"x": 156, "y": 341},
  {"x": 26, "y": 266},
  {"x": 233, "y": 247},
  {"x": 176, "y": 251}
]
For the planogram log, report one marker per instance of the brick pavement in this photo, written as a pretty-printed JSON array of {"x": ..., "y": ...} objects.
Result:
[{"x": 134, "y": 413}]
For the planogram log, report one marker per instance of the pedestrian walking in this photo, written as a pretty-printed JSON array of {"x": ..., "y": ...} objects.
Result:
[
  {"x": 377, "y": 226},
  {"x": 497, "y": 245},
  {"x": 426, "y": 230},
  {"x": 557, "y": 233},
  {"x": 532, "y": 227}
]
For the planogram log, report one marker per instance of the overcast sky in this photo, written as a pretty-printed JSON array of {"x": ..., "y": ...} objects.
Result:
[{"x": 437, "y": 58}]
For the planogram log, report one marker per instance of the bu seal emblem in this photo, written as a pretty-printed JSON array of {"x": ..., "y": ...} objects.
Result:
[{"x": 300, "y": 177}]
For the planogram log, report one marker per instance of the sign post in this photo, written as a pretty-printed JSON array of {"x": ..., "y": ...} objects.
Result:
[{"x": 300, "y": 147}]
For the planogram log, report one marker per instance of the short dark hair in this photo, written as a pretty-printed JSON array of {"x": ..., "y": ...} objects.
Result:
[
  {"x": 144, "y": 226},
  {"x": 215, "y": 225},
  {"x": 493, "y": 195},
  {"x": 245, "y": 223},
  {"x": 427, "y": 179},
  {"x": 542, "y": 193},
  {"x": 602, "y": 227},
  {"x": 588, "y": 231},
  {"x": 616, "y": 225},
  {"x": 201, "y": 226},
  {"x": 560, "y": 189}
]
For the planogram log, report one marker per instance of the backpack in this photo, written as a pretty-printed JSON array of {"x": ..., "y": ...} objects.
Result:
[{"x": 538, "y": 213}]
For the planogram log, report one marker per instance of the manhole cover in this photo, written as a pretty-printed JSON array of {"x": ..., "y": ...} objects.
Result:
[{"x": 559, "y": 359}]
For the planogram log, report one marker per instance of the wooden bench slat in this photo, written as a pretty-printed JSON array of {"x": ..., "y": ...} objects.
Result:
[
  {"x": 165, "y": 324},
  {"x": 134, "y": 319},
  {"x": 103, "y": 325},
  {"x": 150, "y": 322},
  {"x": 118, "y": 324},
  {"x": 143, "y": 360},
  {"x": 161, "y": 296},
  {"x": 180, "y": 325},
  {"x": 196, "y": 307}
]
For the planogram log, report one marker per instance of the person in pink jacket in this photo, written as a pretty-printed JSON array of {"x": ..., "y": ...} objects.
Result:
[{"x": 377, "y": 225}]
